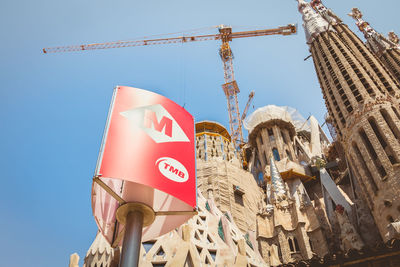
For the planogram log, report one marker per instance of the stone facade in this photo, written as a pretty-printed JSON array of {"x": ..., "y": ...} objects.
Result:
[{"x": 262, "y": 216}]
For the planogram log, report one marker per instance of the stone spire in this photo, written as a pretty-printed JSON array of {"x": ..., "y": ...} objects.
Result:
[
  {"x": 74, "y": 260},
  {"x": 278, "y": 186},
  {"x": 386, "y": 49},
  {"x": 375, "y": 41},
  {"x": 394, "y": 38},
  {"x": 326, "y": 13},
  {"x": 313, "y": 23}
]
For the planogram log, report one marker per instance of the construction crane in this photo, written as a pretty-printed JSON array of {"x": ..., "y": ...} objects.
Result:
[
  {"x": 230, "y": 86},
  {"x": 251, "y": 95}
]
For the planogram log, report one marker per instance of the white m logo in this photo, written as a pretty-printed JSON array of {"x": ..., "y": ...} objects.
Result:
[{"x": 157, "y": 123}]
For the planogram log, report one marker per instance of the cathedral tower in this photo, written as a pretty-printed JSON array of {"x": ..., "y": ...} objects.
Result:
[
  {"x": 362, "y": 99},
  {"x": 387, "y": 50},
  {"x": 382, "y": 78},
  {"x": 273, "y": 136}
]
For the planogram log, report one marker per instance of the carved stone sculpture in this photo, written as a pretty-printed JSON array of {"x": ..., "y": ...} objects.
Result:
[{"x": 348, "y": 234}]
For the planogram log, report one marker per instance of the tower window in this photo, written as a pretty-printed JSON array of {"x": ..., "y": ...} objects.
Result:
[
  {"x": 390, "y": 123},
  {"x": 395, "y": 112},
  {"x": 365, "y": 168},
  {"x": 296, "y": 245},
  {"x": 289, "y": 155},
  {"x": 372, "y": 153},
  {"x": 258, "y": 163},
  {"x": 388, "y": 149},
  {"x": 299, "y": 151},
  {"x": 260, "y": 177},
  {"x": 284, "y": 138},
  {"x": 276, "y": 154},
  {"x": 265, "y": 157},
  {"x": 238, "y": 198},
  {"x": 279, "y": 252},
  {"x": 271, "y": 135},
  {"x": 357, "y": 173},
  {"x": 291, "y": 245}
]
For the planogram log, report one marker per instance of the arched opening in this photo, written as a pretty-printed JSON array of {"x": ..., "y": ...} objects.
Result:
[
  {"x": 271, "y": 135},
  {"x": 289, "y": 155},
  {"x": 260, "y": 178},
  {"x": 296, "y": 245},
  {"x": 291, "y": 244},
  {"x": 276, "y": 154},
  {"x": 284, "y": 138}
]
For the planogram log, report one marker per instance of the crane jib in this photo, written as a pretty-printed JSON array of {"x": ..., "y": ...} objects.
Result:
[{"x": 286, "y": 30}]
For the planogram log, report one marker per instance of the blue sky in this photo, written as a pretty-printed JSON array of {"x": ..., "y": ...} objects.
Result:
[{"x": 53, "y": 107}]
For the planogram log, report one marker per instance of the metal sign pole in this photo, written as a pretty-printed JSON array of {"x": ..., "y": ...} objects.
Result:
[
  {"x": 134, "y": 216},
  {"x": 132, "y": 239}
]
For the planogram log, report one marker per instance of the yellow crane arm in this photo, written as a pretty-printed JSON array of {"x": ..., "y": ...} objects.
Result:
[{"x": 251, "y": 95}]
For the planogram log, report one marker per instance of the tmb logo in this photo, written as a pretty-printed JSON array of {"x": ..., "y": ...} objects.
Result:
[
  {"x": 172, "y": 169},
  {"x": 157, "y": 123}
]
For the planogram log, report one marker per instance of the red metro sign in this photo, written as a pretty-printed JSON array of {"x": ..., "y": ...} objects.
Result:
[
  {"x": 149, "y": 144},
  {"x": 150, "y": 140}
]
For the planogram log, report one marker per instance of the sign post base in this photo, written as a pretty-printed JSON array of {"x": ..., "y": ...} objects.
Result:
[{"x": 134, "y": 216}]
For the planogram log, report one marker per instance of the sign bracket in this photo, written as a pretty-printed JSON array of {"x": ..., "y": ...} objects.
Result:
[{"x": 121, "y": 201}]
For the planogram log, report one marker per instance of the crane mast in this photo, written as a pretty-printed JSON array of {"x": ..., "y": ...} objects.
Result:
[{"x": 230, "y": 86}]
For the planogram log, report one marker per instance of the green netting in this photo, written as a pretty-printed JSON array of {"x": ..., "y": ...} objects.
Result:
[
  {"x": 207, "y": 206},
  {"x": 221, "y": 230},
  {"x": 227, "y": 216},
  {"x": 246, "y": 237}
]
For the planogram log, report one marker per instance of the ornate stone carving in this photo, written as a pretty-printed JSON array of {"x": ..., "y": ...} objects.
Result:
[
  {"x": 376, "y": 41},
  {"x": 393, "y": 230},
  {"x": 269, "y": 210},
  {"x": 394, "y": 38},
  {"x": 304, "y": 201},
  {"x": 348, "y": 234},
  {"x": 355, "y": 13},
  {"x": 265, "y": 210},
  {"x": 326, "y": 13},
  {"x": 313, "y": 23},
  {"x": 283, "y": 202}
]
